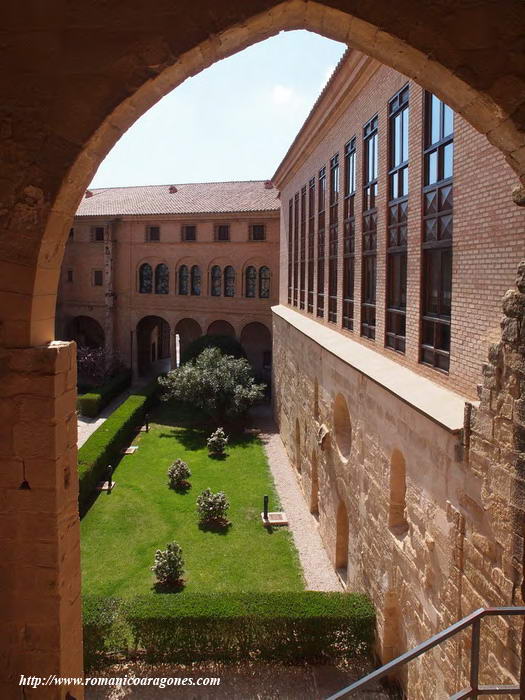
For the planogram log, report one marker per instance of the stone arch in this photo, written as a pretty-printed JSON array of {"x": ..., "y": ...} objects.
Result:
[
  {"x": 439, "y": 55},
  {"x": 86, "y": 332},
  {"x": 397, "y": 521},
  {"x": 341, "y": 538},
  {"x": 153, "y": 345},
  {"x": 297, "y": 446},
  {"x": 314, "y": 490},
  {"x": 221, "y": 327},
  {"x": 342, "y": 427},
  {"x": 256, "y": 340},
  {"x": 187, "y": 330}
]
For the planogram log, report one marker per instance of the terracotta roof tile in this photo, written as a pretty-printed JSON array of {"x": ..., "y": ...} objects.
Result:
[{"x": 192, "y": 198}]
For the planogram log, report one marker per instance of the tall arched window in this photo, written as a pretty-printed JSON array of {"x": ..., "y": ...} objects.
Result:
[
  {"x": 195, "y": 280},
  {"x": 229, "y": 281},
  {"x": 145, "y": 279},
  {"x": 216, "y": 281},
  {"x": 264, "y": 282},
  {"x": 251, "y": 281},
  {"x": 162, "y": 279},
  {"x": 183, "y": 279}
]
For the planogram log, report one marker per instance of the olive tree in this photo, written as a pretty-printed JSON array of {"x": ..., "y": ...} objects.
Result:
[{"x": 220, "y": 385}]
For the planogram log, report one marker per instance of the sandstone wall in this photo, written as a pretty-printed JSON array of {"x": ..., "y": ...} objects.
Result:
[{"x": 447, "y": 546}]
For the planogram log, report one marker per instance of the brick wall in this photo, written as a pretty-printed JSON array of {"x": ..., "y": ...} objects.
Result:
[{"x": 488, "y": 233}]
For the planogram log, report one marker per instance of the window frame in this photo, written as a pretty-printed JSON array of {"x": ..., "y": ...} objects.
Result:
[
  {"x": 349, "y": 231},
  {"x": 94, "y": 276},
  {"x": 149, "y": 229},
  {"x": 183, "y": 235},
  {"x": 217, "y": 233},
  {"x": 251, "y": 229},
  {"x": 397, "y": 223}
]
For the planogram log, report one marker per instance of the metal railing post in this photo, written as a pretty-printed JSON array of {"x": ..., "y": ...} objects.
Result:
[{"x": 474, "y": 657}]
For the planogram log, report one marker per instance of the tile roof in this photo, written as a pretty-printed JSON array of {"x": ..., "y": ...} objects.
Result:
[{"x": 192, "y": 198}]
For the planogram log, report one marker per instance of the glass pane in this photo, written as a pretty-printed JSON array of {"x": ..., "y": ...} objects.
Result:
[
  {"x": 448, "y": 160},
  {"x": 404, "y": 154},
  {"x": 394, "y": 194},
  {"x": 435, "y": 119},
  {"x": 428, "y": 334},
  {"x": 397, "y": 140},
  {"x": 446, "y": 264},
  {"x": 448, "y": 121},
  {"x": 432, "y": 169}
]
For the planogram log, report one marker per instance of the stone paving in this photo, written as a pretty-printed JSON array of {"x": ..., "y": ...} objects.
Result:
[{"x": 318, "y": 571}]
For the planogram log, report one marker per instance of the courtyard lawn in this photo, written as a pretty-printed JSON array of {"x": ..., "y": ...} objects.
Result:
[{"x": 121, "y": 531}]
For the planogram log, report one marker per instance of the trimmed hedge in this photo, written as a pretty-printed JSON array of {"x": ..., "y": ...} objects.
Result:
[
  {"x": 286, "y": 627},
  {"x": 93, "y": 402},
  {"x": 104, "y": 446}
]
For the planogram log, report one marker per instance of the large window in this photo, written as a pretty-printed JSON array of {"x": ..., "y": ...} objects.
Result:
[
  {"x": 195, "y": 280},
  {"x": 437, "y": 233},
  {"x": 229, "y": 281},
  {"x": 302, "y": 249},
  {"x": 349, "y": 234},
  {"x": 321, "y": 222},
  {"x": 396, "y": 260},
  {"x": 250, "y": 287},
  {"x": 162, "y": 279},
  {"x": 264, "y": 282},
  {"x": 290, "y": 251},
  {"x": 369, "y": 261},
  {"x": 184, "y": 280},
  {"x": 145, "y": 279},
  {"x": 295, "y": 248},
  {"x": 311, "y": 245},
  {"x": 333, "y": 221},
  {"x": 216, "y": 281}
]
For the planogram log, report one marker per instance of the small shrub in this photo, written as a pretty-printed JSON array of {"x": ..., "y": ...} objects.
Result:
[
  {"x": 178, "y": 475},
  {"x": 212, "y": 507},
  {"x": 217, "y": 443},
  {"x": 169, "y": 565}
]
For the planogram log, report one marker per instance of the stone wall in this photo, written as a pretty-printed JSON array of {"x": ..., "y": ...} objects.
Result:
[{"x": 448, "y": 543}]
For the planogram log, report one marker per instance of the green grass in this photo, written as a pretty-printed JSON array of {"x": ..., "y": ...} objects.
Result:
[{"x": 121, "y": 531}]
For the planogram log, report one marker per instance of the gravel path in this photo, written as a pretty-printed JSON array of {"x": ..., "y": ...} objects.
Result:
[{"x": 318, "y": 571}]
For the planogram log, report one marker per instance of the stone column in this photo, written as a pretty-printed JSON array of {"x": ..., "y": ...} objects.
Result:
[{"x": 39, "y": 522}]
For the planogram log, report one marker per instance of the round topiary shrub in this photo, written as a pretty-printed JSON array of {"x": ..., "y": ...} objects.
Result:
[
  {"x": 178, "y": 475},
  {"x": 169, "y": 565},
  {"x": 213, "y": 507},
  {"x": 217, "y": 443},
  {"x": 226, "y": 344}
]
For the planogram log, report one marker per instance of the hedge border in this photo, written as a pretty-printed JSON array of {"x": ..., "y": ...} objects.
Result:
[
  {"x": 104, "y": 446},
  {"x": 91, "y": 403},
  {"x": 281, "y": 627}
]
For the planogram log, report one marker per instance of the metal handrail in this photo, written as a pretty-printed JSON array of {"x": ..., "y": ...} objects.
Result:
[{"x": 475, "y": 689}]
